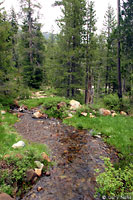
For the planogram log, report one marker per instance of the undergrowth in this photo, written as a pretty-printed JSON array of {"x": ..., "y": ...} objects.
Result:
[
  {"x": 15, "y": 162},
  {"x": 115, "y": 183}
]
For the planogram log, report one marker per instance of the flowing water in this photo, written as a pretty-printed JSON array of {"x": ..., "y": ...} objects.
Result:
[{"x": 76, "y": 155}]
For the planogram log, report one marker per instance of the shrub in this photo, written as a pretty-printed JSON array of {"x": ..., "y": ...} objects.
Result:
[
  {"x": 50, "y": 106},
  {"x": 114, "y": 183},
  {"x": 112, "y": 102}
]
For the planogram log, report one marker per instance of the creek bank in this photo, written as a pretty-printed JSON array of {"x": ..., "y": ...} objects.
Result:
[{"x": 76, "y": 155}]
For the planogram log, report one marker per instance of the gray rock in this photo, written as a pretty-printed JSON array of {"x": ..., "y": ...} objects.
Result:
[
  {"x": 74, "y": 105},
  {"x": 18, "y": 145}
]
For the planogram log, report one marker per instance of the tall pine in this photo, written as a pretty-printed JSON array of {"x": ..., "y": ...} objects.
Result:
[
  {"x": 32, "y": 45},
  {"x": 109, "y": 32},
  {"x": 90, "y": 46},
  {"x": 70, "y": 41}
]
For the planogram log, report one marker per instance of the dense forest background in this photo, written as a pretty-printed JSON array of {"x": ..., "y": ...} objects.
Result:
[{"x": 77, "y": 63}]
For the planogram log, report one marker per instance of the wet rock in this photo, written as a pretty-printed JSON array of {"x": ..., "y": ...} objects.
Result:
[
  {"x": 20, "y": 115},
  {"x": 30, "y": 175},
  {"x": 38, "y": 172},
  {"x": 4, "y": 196},
  {"x": 104, "y": 112},
  {"x": 39, "y": 189},
  {"x": 97, "y": 136},
  {"x": 18, "y": 144},
  {"x": 39, "y": 164},
  {"x": 74, "y": 105},
  {"x": 61, "y": 105},
  {"x": 45, "y": 157},
  {"x": 47, "y": 173},
  {"x": 123, "y": 113},
  {"x": 37, "y": 115},
  {"x": 44, "y": 116},
  {"x": 84, "y": 114}
]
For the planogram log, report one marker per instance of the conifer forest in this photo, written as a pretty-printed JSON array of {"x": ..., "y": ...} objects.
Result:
[
  {"x": 70, "y": 92},
  {"x": 75, "y": 59}
]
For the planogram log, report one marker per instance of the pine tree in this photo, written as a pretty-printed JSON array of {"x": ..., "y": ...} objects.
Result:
[
  {"x": 14, "y": 33},
  {"x": 109, "y": 32},
  {"x": 5, "y": 57},
  {"x": 127, "y": 45},
  {"x": 90, "y": 46},
  {"x": 32, "y": 44},
  {"x": 119, "y": 53},
  {"x": 72, "y": 28}
]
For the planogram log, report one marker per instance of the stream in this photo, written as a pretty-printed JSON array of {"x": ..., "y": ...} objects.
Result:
[{"x": 76, "y": 154}]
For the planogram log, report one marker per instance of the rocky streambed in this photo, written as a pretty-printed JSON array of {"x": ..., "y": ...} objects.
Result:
[{"x": 76, "y": 155}]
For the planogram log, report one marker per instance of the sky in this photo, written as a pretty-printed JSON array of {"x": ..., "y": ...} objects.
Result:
[{"x": 49, "y": 14}]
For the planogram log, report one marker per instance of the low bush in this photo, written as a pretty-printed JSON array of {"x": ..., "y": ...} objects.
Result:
[
  {"x": 15, "y": 162},
  {"x": 111, "y": 101},
  {"x": 50, "y": 107},
  {"x": 115, "y": 183}
]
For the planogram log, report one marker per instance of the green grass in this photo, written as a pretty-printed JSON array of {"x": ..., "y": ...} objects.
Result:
[
  {"x": 47, "y": 102},
  {"x": 7, "y": 133},
  {"x": 119, "y": 130},
  {"x": 15, "y": 167}
]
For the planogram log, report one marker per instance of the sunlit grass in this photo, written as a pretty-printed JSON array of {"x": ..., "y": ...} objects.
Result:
[{"x": 119, "y": 130}]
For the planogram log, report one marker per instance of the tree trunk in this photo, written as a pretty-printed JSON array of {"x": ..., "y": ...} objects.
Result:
[
  {"x": 118, "y": 55},
  {"x": 107, "y": 77},
  {"x": 87, "y": 71},
  {"x": 30, "y": 33}
]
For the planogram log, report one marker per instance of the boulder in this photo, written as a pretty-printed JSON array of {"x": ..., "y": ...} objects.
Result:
[
  {"x": 84, "y": 114},
  {"x": 104, "y": 112},
  {"x": 74, "y": 105},
  {"x": 39, "y": 164},
  {"x": 38, "y": 172},
  {"x": 114, "y": 114},
  {"x": 123, "y": 113},
  {"x": 39, "y": 189},
  {"x": 3, "y": 112},
  {"x": 4, "y": 196},
  {"x": 18, "y": 145},
  {"x": 30, "y": 175},
  {"x": 61, "y": 105},
  {"x": 37, "y": 115}
]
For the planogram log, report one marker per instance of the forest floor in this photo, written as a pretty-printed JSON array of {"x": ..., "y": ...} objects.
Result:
[{"x": 75, "y": 154}]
